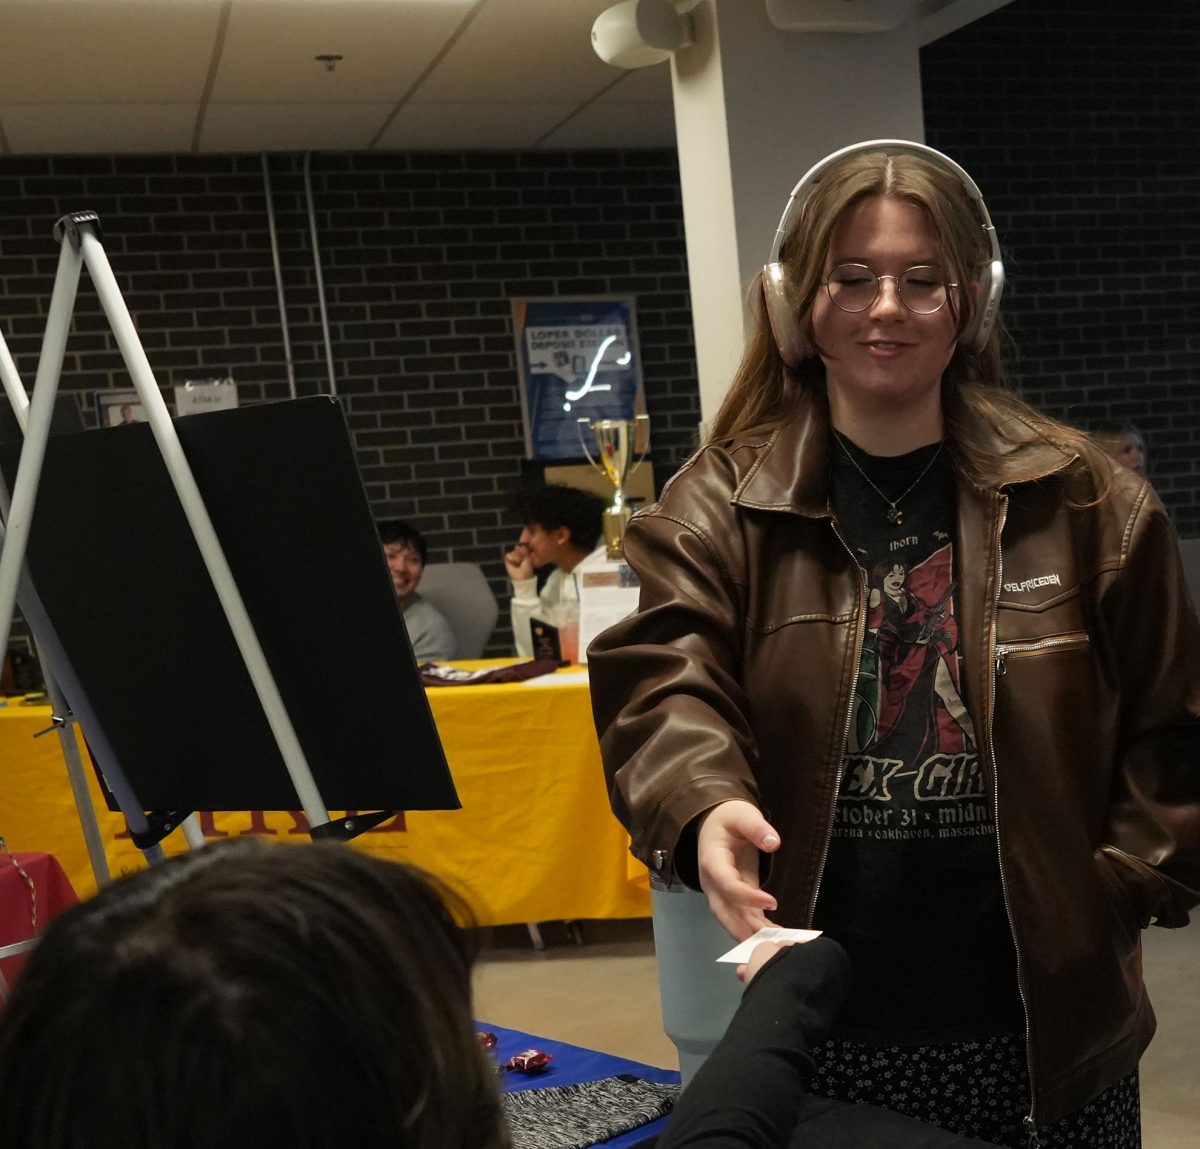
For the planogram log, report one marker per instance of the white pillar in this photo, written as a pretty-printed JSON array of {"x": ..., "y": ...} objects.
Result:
[{"x": 755, "y": 107}]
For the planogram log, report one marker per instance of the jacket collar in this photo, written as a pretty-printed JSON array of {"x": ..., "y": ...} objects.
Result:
[{"x": 791, "y": 473}]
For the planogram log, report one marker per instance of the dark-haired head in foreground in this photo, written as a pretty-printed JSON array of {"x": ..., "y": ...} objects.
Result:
[{"x": 250, "y": 995}]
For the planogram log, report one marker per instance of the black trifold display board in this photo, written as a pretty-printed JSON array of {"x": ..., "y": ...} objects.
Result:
[{"x": 121, "y": 577}]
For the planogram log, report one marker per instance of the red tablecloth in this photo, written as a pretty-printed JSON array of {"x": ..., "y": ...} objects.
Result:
[{"x": 54, "y": 893}]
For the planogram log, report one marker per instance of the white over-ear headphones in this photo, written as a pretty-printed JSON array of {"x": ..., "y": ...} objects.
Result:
[{"x": 782, "y": 308}]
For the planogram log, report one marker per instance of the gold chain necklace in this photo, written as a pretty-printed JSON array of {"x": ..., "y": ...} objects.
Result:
[{"x": 895, "y": 515}]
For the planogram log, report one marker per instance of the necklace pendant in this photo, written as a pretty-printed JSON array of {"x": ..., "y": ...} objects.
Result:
[{"x": 895, "y": 516}]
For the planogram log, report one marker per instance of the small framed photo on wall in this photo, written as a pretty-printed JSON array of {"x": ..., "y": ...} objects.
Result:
[{"x": 114, "y": 408}]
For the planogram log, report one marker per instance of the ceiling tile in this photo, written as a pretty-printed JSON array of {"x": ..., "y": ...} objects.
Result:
[
  {"x": 616, "y": 125},
  {"x": 510, "y": 71},
  {"x": 385, "y": 44},
  {"x": 291, "y": 127},
  {"x": 447, "y": 127},
  {"x": 641, "y": 86},
  {"x": 527, "y": 51},
  {"x": 105, "y": 51},
  {"x": 75, "y": 128}
]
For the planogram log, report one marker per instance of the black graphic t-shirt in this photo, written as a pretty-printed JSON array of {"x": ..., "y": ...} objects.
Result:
[{"x": 911, "y": 887}]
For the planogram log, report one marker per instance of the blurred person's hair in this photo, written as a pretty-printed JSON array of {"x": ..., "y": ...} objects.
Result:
[
  {"x": 555, "y": 505},
  {"x": 398, "y": 531},
  {"x": 245, "y": 995},
  {"x": 1112, "y": 429},
  {"x": 1119, "y": 438}
]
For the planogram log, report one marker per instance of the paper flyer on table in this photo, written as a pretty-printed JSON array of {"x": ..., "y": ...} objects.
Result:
[
  {"x": 608, "y": 592},
  {"x": 742, "y": 951}
]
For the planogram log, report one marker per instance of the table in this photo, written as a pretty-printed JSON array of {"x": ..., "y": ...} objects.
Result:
[
  {"x": 534, "y": 841},
  {"x": 572, "y": 1064},
  {"x": 53, "y": 893}
]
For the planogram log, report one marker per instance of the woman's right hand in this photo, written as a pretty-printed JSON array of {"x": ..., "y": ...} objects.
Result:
[{"x": 728, "y": 843}]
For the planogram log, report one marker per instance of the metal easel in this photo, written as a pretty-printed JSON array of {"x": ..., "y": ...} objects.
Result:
[
  {"x": 78, "y": 236},
  {"x": 63, "y": 721}
]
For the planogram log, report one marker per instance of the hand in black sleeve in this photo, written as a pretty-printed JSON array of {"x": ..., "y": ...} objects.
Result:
[{"x": 753, "y": 1092}]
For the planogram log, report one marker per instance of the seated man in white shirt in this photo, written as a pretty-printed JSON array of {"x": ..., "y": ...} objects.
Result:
[
  {"x": 405, "y": 551},
  {"x": 561, "y": 528}
]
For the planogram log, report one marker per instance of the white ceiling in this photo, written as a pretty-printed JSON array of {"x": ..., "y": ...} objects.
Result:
[{"x": 240, "y": 75}]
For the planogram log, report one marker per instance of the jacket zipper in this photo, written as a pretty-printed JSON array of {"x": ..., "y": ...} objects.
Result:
[
  {"x": 997, "y": 653},
  {"x": 1017, "y": 649},
  {"x": 859, "y": 635}
]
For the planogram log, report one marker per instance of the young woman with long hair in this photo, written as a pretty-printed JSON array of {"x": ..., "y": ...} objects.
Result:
[{"x": 983, "y": 787}]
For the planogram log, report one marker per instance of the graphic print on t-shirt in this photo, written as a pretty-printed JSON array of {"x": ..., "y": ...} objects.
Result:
[
  {"x": 911, "y": 885},
  {"x": 910, "y": 749},
  {"x": 908, "y": 686}
]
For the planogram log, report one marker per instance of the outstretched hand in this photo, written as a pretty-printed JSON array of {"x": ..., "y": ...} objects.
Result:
[
  {"x": 763, "y": 953},
  {"x": 728, "y": 844}
]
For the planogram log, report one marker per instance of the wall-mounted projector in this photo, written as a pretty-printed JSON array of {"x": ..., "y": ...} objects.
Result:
[
  {"x": 839, "y": 15},
  {"x": 639, "y": 33}
]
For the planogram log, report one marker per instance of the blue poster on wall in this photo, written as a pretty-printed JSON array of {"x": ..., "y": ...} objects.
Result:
[{"x": 577, "y": 359}]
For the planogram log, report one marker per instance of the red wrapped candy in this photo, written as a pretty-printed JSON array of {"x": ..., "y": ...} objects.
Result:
[{"x": 529, "y": 1061}]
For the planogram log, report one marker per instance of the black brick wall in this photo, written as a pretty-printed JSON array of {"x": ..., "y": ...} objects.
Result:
[
  {"x": 1080, "y": 121},
  {"x": 420, "y": 256}
]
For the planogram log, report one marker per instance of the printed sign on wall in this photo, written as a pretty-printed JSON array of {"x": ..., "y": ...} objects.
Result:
[
  {"x": 577, "y": 358},
  {"x": 196, "y": 396}
]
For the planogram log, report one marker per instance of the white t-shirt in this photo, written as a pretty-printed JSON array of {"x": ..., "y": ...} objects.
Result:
[{"x": 527, "y": 603}]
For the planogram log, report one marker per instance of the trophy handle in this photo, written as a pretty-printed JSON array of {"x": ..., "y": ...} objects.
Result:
[
  {"x": 642, "y": 423},
  {"x": 583, "y": 444}
]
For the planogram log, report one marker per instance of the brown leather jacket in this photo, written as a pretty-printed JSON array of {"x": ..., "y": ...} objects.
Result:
[{"x": 1081, "y": 662}]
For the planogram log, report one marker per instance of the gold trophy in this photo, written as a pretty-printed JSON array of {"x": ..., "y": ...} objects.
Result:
[{"x": 617, "y": 442}]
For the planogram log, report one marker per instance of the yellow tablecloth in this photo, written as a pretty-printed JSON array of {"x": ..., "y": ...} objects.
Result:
[{"x": 534, "y": 841}]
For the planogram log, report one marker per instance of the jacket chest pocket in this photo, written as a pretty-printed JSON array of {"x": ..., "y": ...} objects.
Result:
[
  {"x": 811, "y": 581},
  {"x": 1050, "y": 700},
  {"x": 1041, "y": 626},
  {"x": 1073, "y": 641}
]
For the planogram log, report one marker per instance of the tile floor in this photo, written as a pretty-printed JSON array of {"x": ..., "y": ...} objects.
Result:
[{"x": 604, "y": 994}]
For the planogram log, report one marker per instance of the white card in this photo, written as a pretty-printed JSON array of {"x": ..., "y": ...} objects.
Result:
[{"x": 742, "y": 951}]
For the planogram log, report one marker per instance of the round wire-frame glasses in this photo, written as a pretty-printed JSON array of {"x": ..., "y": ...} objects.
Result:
[{"x": 854, "y": 287}]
